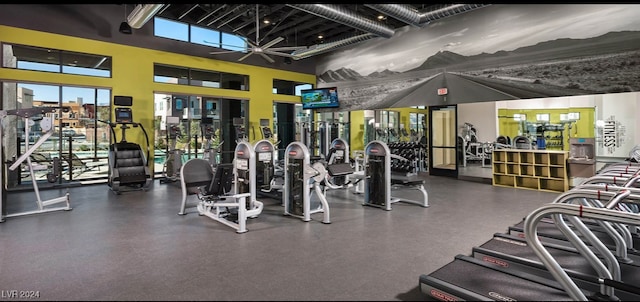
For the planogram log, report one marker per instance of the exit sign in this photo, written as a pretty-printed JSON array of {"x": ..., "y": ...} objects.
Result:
[{"x": 442, "y": 91}]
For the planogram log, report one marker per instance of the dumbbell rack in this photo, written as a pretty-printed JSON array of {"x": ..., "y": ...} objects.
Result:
[{"x": 411, "y": 154}]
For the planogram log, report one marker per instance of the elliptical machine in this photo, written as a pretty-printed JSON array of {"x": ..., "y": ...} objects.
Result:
[
  {"x": 173, "y": 162},
  {"x": 127, "y": 163},
  {"x": 211, "y": 148}
]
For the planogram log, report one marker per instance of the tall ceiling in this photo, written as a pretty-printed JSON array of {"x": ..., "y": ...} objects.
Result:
[{"x": 295, "y": 23}]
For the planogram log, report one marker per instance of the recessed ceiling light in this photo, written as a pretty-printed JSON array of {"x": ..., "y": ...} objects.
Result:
[
  {"x": 266, "y": 21},
  {"x": 320, "y": 36}
]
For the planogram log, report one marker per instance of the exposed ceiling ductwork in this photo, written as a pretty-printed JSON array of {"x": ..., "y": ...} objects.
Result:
[
  {"x": 401, "y": 12},
  {"x": 142, "y": 13},
  {"x": 322, "y": 48},
  {"x": 344, "y": 16},
  {"x": 448, "y": 11}
]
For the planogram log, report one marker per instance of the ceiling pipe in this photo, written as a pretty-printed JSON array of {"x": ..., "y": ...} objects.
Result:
[
  {"x": 400, "y": 12},
  {"x": 142, "y": 13},
  {"x": 325, "y": 47},
  {"x": 344, "y": 16},
  {"x": 448, "y": 11}
]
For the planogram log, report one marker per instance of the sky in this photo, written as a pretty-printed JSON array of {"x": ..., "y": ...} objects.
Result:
[{"x": 483, "y": 30}]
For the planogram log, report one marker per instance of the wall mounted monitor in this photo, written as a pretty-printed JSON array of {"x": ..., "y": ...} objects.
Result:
[
  {"x": 320, "y": 98},
  {"x": 121, "y": 100}
]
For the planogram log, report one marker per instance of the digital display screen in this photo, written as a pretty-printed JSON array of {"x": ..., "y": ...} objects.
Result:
[
  {"x": 319, "y": 98},
  {"x": 242, "y": 164},
  {"x": 264, "y": 156}
]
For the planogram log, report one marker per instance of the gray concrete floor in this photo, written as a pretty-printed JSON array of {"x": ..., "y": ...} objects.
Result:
[{"x": 135, "y": 246}]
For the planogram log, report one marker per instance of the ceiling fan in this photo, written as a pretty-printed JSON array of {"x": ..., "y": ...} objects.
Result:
[{"x": 266, "y": 49}]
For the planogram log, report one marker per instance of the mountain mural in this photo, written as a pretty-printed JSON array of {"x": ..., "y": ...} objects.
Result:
[
  {"x": 342, "y": 74},
  {"x": 614, "y": 42}
]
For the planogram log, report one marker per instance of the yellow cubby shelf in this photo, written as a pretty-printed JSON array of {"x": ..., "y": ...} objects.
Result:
[{"x": 543, "y": 170}]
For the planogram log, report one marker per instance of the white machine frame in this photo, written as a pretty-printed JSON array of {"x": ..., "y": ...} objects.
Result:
[
  {"x": 47, "y": 125},
  {"x": 312, "y": 176},
  {"x": 381, "y": 148}
]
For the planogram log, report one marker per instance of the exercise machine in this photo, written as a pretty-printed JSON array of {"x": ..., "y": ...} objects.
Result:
[
  {"x": 211, "y": 149},
  {"x": 379, "y": 179},
  {"x": 268, "y": 181},
  {"x": 238, "y": 125},
  {"x": 173, "y": 162},
  {"x": 339, "y": 154},
  {"x": 128, "y": 168},
  {"x": 46, "y": 124},
  {"x": 301, "y": 179},
  {"x": 244, "y": 171}
]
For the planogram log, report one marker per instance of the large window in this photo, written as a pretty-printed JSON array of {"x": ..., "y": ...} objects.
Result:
[
  {"x": 77, "y": 137},
  {"x": 53, "y": 60},
  {"x": 289, "y": 87},
  {"x": 198, "y": 35},
  {"x": 203, "y": 78}
]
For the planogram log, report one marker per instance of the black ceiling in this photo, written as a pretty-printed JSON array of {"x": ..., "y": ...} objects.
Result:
[{"x": 297, "y": 27}]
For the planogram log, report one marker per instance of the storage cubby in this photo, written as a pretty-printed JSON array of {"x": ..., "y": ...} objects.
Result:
[
  {"x": 555, "y": 185},
  {"x": 557, "y": 159},
  {"x": 541, "y": 158},
  {"x": 557, "y": 172},
  {"x": 513, "y": 169},
  {"x": 531, "y": 169},
  {"x": 526, "y": 169},
  {"x": 527, "y": 182},
  {"x": 542, "y": 171},
  {"x": 526, "y": 158},
  {"x": 513, "y": 157},
  {"x": 499, "y": 156},
  {"x": 504, "y": 180}
]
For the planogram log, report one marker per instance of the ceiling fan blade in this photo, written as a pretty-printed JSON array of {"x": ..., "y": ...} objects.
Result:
[
  {"x": 266, "y": 57},
  {"x": 287, "y": 48},
  {"x": 281, "y": 54},
  {"x": 222, "y": 51},
  {"x": 273, "y": 42},
  {"x": 245, "y": 56}
]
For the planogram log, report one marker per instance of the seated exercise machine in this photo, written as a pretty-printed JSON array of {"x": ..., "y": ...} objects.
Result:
[
  {"x": 301, "y": 179},
  {"x": 46, "y": 123},
  {"x": 173, "y": 162},
  {"x": 339, "y": 165},
  {"x": 127, "y": 163},
  {"x": 219, "y": 199},
  {"x": 267, "y": 182},
  {"x": 379, "y": 180}
]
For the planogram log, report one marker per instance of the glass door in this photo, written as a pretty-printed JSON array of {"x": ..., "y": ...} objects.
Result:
[{"x": 442, "y": 141}]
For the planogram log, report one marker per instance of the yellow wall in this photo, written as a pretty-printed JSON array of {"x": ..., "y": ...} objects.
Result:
[
  {"x": 582, "y": 128},
  {"x": 132, "y": 75},
  {"x": 357, "y": 124}
]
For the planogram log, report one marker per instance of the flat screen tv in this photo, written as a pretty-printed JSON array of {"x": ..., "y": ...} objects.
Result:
[{"x": 319, "y": 98}]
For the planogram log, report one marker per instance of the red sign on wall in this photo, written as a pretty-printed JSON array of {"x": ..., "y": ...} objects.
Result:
[{"x": 442, "y": 91}]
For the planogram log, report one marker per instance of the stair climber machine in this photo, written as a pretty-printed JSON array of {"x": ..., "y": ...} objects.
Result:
[
  {"x": 212, "y": 143},
  {"x": 379, "y": 179},
  {"x": 301, "y": 179},
  {"x": 173, "y": 162},
  {"x": 128, "y": 168},
  {"x": 268, "y": 184},
  {"x": 46, "y": 124}
]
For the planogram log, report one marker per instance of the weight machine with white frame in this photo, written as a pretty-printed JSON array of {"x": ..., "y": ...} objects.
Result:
[{"x": 46, "y": 123}]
